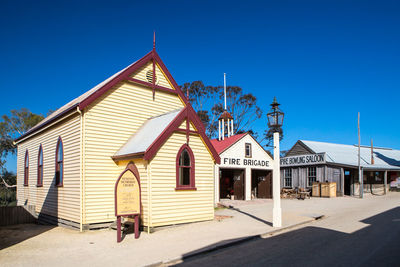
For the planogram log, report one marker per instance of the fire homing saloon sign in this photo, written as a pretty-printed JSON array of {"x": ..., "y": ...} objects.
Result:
[
  {"x": 303, "y": 160},
  {"x": 128, "y": 197},
  {"x": 245, "y": 162}
]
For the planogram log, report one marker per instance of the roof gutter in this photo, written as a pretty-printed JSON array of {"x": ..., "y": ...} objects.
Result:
[{"x": 63, "y": 115}]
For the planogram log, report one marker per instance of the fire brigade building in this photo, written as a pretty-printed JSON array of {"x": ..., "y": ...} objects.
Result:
[
  {"x": 310, "y": 161},
  {"x": 245, "y": 171},
  {"x": 68, "y": 164}
]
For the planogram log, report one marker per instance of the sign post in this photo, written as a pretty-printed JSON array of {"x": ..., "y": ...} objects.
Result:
[{"x": 128, "y": 198}]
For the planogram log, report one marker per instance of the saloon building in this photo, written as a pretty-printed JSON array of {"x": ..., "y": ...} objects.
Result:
[
  {"x": 69, "y": 163},
  {"x": 310, "y": 161}
]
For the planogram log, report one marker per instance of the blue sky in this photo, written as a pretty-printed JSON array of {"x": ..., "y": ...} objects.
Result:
[{"x": 323, "y": 60}]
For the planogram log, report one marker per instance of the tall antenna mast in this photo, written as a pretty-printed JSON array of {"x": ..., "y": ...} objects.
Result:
[{"x": 225, "y": 89}]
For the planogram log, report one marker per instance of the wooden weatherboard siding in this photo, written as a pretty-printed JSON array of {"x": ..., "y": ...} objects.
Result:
[
  {"x": 109, "y": 122},
  {"x": 61, "y": 202},
  {"x": 170, "y": 206},
  {"x": 161, "y": 80},
  {"x": 298, "y": 149}
]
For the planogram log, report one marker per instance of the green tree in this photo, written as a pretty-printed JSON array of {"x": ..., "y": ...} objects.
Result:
[
  {"x": 269, "y": 136},
  {"x": 208, "y": 103},
  {"x": 7, "y": 190},
  {"x": 18, "y": 123}
]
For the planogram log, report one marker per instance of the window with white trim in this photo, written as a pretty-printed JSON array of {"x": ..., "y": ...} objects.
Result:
[
  {"x": 247, "y": 149},
  {"x": 288, "y": 177},
  {"x": 312, "y": 175}
]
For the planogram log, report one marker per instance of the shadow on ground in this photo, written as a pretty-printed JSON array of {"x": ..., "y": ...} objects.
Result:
[
  {"x": 250, "y": 215},
  {"x": 14, "y": 234},
  {"x": 373, "y": 244}
]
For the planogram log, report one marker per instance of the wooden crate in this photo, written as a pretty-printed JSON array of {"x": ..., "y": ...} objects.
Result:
[
  {"x": 316, "y": 189},
  {"x": 328, "y": 189}
]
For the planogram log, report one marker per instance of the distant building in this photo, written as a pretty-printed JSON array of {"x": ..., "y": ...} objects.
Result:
[{"x": 310, "y": 161}]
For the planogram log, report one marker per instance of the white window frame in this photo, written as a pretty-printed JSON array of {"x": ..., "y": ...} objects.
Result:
[
  {"x": 287, "y": 176},
  {"x": 312, "y": 170}
]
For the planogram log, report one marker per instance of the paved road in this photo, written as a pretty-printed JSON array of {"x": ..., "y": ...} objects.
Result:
[{"x": 348, "y": 239}]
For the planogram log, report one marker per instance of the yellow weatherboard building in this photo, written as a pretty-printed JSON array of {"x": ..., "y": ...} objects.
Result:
[{"x": 68, "y": 164}]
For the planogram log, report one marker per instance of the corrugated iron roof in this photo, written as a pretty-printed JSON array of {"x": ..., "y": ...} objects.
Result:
[
  {"x": 147, "y": 134},
  {"x": 348, "y": 155}
]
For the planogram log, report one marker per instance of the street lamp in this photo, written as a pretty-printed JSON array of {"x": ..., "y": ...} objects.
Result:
[{"x": 275, "y": 122}]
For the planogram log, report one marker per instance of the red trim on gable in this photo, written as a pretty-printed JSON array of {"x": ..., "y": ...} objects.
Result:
[
  {"x": 169, "y": 76},
  {"x": 186, "y": 113},
  {"x": 165, "y": 89},
  {"x": 32, "y": 130},
  {"x": 124, "y": 75},
  {"x": 166, "y": 133},
  {"x": 120, "y": 77}
]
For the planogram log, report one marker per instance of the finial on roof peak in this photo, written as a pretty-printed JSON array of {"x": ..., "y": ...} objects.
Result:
[{"x": 154, "y": 40}]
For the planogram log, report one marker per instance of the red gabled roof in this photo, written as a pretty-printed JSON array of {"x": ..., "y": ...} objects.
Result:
[
  {"x": 221, "y": 146},
  {"x": 189, "y": 114},
  {"x": 90, "y": 96}
]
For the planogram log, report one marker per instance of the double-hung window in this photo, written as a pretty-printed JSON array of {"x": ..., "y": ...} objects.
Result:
[
  {"x": 288, "y": 177},
  {"x": 247, "y": 149},
  {"x": 312, "y": 175}
]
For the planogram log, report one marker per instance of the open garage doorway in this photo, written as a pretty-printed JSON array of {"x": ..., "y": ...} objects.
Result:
[
  {"x": 261, "y": 184},
  {"x": 231, "y": 184}
]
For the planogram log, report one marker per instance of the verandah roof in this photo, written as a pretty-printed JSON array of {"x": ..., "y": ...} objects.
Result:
[{"x": 147, "y": 134}]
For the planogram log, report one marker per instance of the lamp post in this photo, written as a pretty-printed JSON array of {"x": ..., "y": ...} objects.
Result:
[{"x": 275, "y": 121}]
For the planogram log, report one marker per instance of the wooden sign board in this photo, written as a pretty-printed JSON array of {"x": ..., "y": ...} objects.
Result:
[{"x": 127, "y": 195}]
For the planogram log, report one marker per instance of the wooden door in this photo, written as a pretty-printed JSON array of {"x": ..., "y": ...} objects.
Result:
[
  {"x": 238, "y": 184},
  {"x": 264, "y": 186}
]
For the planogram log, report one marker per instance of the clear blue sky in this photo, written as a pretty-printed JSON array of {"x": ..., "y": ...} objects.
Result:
[{"x": 324, "y": 60}]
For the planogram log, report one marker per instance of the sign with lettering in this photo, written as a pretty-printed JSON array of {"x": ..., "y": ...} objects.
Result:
[
  {"x": 127, "y": 194},
  {"x": 245, "y": 162},
  {"x": 303, "y": 160}
]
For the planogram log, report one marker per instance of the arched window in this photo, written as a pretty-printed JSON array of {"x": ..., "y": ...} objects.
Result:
[
  {"x": 59, "y": 163},
  {"x": 185, "y": 169},
  {"x": 26, "y": 168},
  {"x": 40, "y": 167}
]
